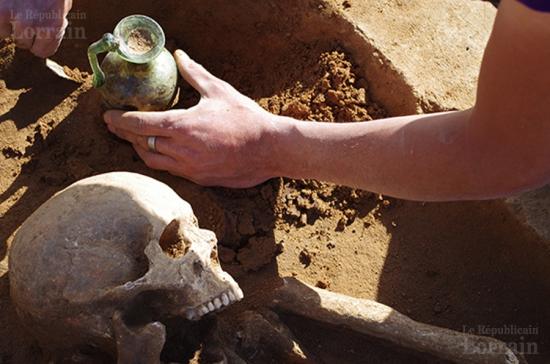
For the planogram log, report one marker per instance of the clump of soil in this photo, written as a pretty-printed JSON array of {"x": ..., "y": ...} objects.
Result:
[
  {"x": 76, "y": 75},
  {"x": 172, "y": 241},
  {"x": 332, "y": 94},
  {"x": 303, "y": 202},
  {"x": 139, "y": 41}
]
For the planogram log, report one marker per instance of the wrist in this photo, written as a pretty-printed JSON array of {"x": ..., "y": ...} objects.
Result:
[
  {"x": 278, "y": 145},
  {"x": 292, "y": 151}
]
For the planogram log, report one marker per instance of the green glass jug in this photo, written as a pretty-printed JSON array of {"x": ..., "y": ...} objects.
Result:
[{"x": 138, "y": 73}]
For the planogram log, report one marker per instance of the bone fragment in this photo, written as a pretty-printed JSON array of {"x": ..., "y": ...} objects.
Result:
[
  {"x": 141, "y": 345},
  {"x": 375, "y": 319}
]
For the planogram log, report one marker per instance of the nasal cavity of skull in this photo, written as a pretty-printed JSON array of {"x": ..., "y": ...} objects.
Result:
[
  {"x": 172, "y": 241},
  {"x": 198, "y": 268}
]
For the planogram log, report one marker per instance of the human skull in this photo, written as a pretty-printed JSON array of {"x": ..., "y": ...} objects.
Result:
[{"x": 111, "y": 246}]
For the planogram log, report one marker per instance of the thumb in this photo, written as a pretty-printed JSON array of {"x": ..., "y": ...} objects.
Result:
[{"x": 195, "y": 74}]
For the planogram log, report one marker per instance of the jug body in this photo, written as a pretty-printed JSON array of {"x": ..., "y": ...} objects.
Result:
[{"x": 146, "y": 87}]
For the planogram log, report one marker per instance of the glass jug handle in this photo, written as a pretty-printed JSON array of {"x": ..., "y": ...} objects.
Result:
[{"x": 108, "y": 43}]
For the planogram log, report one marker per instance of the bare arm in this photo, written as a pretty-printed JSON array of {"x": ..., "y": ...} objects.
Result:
[{"x": 499, "y": 147}]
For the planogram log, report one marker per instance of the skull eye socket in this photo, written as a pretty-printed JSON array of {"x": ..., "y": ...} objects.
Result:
[{"x": 172, "y": 241}]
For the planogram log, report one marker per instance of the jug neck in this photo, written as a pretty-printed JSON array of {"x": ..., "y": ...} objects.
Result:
[
  {"x": 136, "y": 39},
  {"x": 141, "y": 39}
]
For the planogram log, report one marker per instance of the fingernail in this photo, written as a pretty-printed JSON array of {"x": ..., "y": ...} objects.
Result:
[{"x": 180, "y": 53}]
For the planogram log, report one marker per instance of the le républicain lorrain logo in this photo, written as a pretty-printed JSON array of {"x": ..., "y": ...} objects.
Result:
[
  {"x": 33, "y": 16},
  {"x": 523, "y": 342}
]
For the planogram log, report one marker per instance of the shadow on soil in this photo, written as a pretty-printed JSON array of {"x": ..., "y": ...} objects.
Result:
[
  {"x": 51, "y": 89},
  {"x": 469, "y": 267}
]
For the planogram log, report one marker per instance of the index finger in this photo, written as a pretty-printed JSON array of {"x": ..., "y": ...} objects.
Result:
[
  {"x": 149, "y": 123},
  {"x": 195, "y": 74}
]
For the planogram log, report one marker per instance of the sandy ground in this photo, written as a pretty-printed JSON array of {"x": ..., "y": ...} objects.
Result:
[{"x": 457, "y": 265}]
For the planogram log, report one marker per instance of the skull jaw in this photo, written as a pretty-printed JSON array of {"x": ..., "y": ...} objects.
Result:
[
  {"x": 195, "y": 281},
  {"x": 215, "y": 291},
  {"x": 227, "y": 293}
]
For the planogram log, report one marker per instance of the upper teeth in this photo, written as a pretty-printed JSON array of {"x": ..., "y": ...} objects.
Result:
[{"x": 225, "y": 299}]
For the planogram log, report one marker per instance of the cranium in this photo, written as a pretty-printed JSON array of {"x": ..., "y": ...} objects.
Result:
[{"x": 118, "y": 247}]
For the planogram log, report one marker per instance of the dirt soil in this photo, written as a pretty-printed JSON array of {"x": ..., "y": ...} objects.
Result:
[
  {"x": 139, "y": 41},
  {"x": 459, "y": 265}
]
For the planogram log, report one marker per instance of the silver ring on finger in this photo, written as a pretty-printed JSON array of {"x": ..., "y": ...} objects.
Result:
[{"x": 152, "y": 144}]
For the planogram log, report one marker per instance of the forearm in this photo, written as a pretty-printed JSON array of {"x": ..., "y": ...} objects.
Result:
[
  {"x": 421, "y": 157},
  {"x": 498, "y": 148}
]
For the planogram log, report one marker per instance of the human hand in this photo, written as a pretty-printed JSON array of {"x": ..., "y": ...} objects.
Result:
[
  {"x": 225, "y": 140},
  {"x": 37, "y": 25}
]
